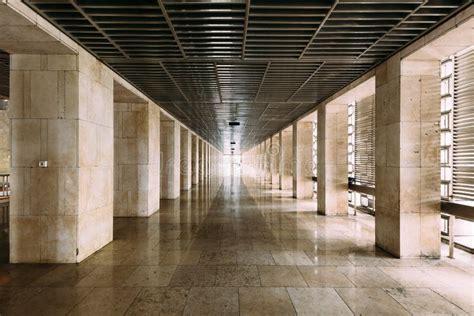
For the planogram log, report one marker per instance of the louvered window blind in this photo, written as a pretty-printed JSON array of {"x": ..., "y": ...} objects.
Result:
[
  {"x": 463, "y": 127},
  {"x": 365, "y": 141}
]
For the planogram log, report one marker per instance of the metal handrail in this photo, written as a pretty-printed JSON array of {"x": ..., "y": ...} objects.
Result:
[{"x": 4, "y": 185}]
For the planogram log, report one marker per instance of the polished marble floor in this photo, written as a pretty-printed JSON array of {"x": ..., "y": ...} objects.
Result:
[{"x": 244, "y": 248}]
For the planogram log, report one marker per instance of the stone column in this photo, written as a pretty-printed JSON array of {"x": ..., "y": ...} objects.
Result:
[
  {"x": 268, "y": 160},
  {"x": 136, "y": 158},
  {"x": 275, "y": 159},
  {"x": 202, "y": 166},
  {"x": 286, "y": 159},
  {"x": 61, "y": 109},
  {"x": 5, "y": 146},
  {"x": 185, "y": 163},
  {"x": 195, "y": 159},
  {"x": 302, "y": 153},
  {"x": 332, "y": 159},
  {"x": 407, "y": 157},
  {"x": 208, "y": 160},
  {"x": 170, "y": 157}
]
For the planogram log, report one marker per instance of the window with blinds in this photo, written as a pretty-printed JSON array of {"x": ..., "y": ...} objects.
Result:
[
  {"x": 364, "y": 142},
  {"x": 463, "y": 127}
]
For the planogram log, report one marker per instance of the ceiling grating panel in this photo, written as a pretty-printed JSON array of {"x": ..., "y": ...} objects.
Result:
[{"x": 261, "y": 62}]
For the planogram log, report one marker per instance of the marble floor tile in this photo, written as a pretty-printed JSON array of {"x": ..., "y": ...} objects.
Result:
[
  {"x": 371, "y": 301},
  {"x": 255, "y": 258},
  {"x": 181, "y": 257},
  {"x": 277, "y": 276},
  {"x": 53, "y": 301},
  {"x": 64, "y": 276},
  {"x": 325, "y": 277},
  {"x": 322, "y": 259},
  {"x": 106, "y": 301},
  {"x": 237, "y": 276},
  {"x": 107, "y": 276},
  {"x": 212, "y": 301},
  {"x": 14, "y": 298},
  {"x": 424, "y": 301},
  {"x": 186, "y": 276},
  {"x": 462, "y": 297},
  {"x": 159, "y": 301},
  {"x": 369, "y": 277},
  {"x": 218, "y": 257},
  {"x": 291, "y": 258},
  {"x": 318, "y": 302},
  {"x": 265, "y": 301},
  {"x": 150, "y": 276},
  {"x": 410, "y": 276}
]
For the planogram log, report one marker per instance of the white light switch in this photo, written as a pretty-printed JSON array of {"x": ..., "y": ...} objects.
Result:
[{"x": 43, "y": 164}]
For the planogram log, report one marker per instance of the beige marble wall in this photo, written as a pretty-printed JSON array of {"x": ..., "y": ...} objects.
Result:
[
  {"x": 302, "y": 160},
  {"x": 407, "y": 157},
  {"x": 195, "y": 159},
  {"x": 61, "y": 108},
  {"x": 170, "y": 158},
  {"x": 275, "y": 159},
  {"x": 332, "y": 159},
  {"x": 286, "y": 160},
  {"x": 136, "y": 159},
  {"x": 185, "y": 163},
  {"x": 4, "y": 142}
]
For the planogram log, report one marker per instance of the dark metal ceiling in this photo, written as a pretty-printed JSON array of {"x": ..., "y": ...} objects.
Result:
[{"x": 261, "y": 62}]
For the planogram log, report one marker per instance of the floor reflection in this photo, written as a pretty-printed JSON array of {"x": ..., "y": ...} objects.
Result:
[{"x": 241, "y": 246}]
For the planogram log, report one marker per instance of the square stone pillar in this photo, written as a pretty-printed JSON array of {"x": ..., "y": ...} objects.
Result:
[
  {"x": 302, "y": 161},
  {"x": 407, "y": 157},
  {"x": 185, "y": 164},
  {"x": 195, "y": 160},
  {"x": 332, "y": 159},
  {"x": 202, "y": 152},
  {"x": 286, "y": 159},
  {"x": 208, "y": 160},
  {"x": 268, "y": 159},
  {"x": 136, "y": 159},
  {"x": 61, "y": 110},
  {"x": 5, "y": 147},
  {"x": 275, "y": 159},
  {"x": 170, "y": 158}
]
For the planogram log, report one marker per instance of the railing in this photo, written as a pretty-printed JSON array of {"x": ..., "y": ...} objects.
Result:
[
  {"x": 450, "y": 211},
  {"x": 4, "y": 199},
  {"x": 4, "y": 185}
]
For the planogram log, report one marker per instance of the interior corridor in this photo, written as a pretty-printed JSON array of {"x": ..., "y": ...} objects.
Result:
[{"x": 241, "y": 247}]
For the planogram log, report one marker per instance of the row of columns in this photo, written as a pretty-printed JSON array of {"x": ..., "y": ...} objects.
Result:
[
  {"x": 84, "y": 149},
  {"x": 407, "y": 145}
]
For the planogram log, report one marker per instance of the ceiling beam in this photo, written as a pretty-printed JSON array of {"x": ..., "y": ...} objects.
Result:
[
  {"x": 330, "y": 59},
  {"x": 393, "y": 28},
  {"x": 319, "y": 28},
  {"x": 263, "y": 79},
  {"x": 170, "y": 25},
  {"x": 218, "y": 82},
  {"x": 305, "y": 82},
  {"x": 246, "y": 26},
  {"x": 174, "y": 81},
  {"x": 84, "y": 14}
]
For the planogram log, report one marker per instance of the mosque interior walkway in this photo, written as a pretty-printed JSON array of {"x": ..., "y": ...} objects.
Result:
[{"x": 241, "y": 247}]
